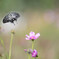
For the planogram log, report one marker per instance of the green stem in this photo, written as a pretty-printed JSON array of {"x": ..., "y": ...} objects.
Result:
[
  {"x": 35, "y": 57},
  {"x": 32, "y": 45},
  {"x": 10, "y": 45},
  {"x": 28, "y": 56},
  {"x": 2, "y": 42}
]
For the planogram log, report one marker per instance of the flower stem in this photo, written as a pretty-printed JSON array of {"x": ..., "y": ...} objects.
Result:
[
  {"x": 32, "y": 45},
  {"x": 10, "y": 45},
  {"x": 35, "y": 57},
  {"x": 2, "y": 42},
  {"x": 28, "y": 56}
]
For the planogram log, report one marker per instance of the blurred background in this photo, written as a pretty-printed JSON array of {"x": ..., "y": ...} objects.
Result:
[{"x": 40, "y": 16}]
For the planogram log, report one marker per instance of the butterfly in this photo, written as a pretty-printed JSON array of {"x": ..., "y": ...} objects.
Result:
[{"x": 11, "y": 17}]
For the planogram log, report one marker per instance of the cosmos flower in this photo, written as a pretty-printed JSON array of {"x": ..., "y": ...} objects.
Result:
[
  {"x": 32, "y": 36},
  {"x": 28, "y": 51},
  {"x": 34, "y": 53}
]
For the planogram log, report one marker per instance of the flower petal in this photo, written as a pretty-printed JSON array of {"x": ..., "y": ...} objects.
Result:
[
  {"x": 37, "y": 35},
  {"x": 34, "y": 54},
  {"x": 25, "y": 50},
  {"x": 27, "y": 36},
  {"x": 32, "y": 33}
]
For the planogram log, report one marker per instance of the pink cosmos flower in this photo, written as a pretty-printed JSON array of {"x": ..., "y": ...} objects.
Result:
[
  {"x": 34, "y": 53},
  {"x": 32, "y": 36}
]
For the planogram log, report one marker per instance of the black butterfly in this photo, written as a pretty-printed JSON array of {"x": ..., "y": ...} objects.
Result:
[{"x": 11, "y": 17}]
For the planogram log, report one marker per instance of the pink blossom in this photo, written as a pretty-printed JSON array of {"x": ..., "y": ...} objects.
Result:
[
  {"x": 34, "y": 53},
  {"x": 32, "y": 36}
]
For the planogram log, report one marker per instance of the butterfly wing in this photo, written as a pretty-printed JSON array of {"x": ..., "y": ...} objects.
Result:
[
  {"x": 11, "y": 17},
  {"x": 6, "y": 19}
]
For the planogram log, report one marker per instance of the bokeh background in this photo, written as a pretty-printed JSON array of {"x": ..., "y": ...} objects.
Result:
[{"x": 40, "y": 16}]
